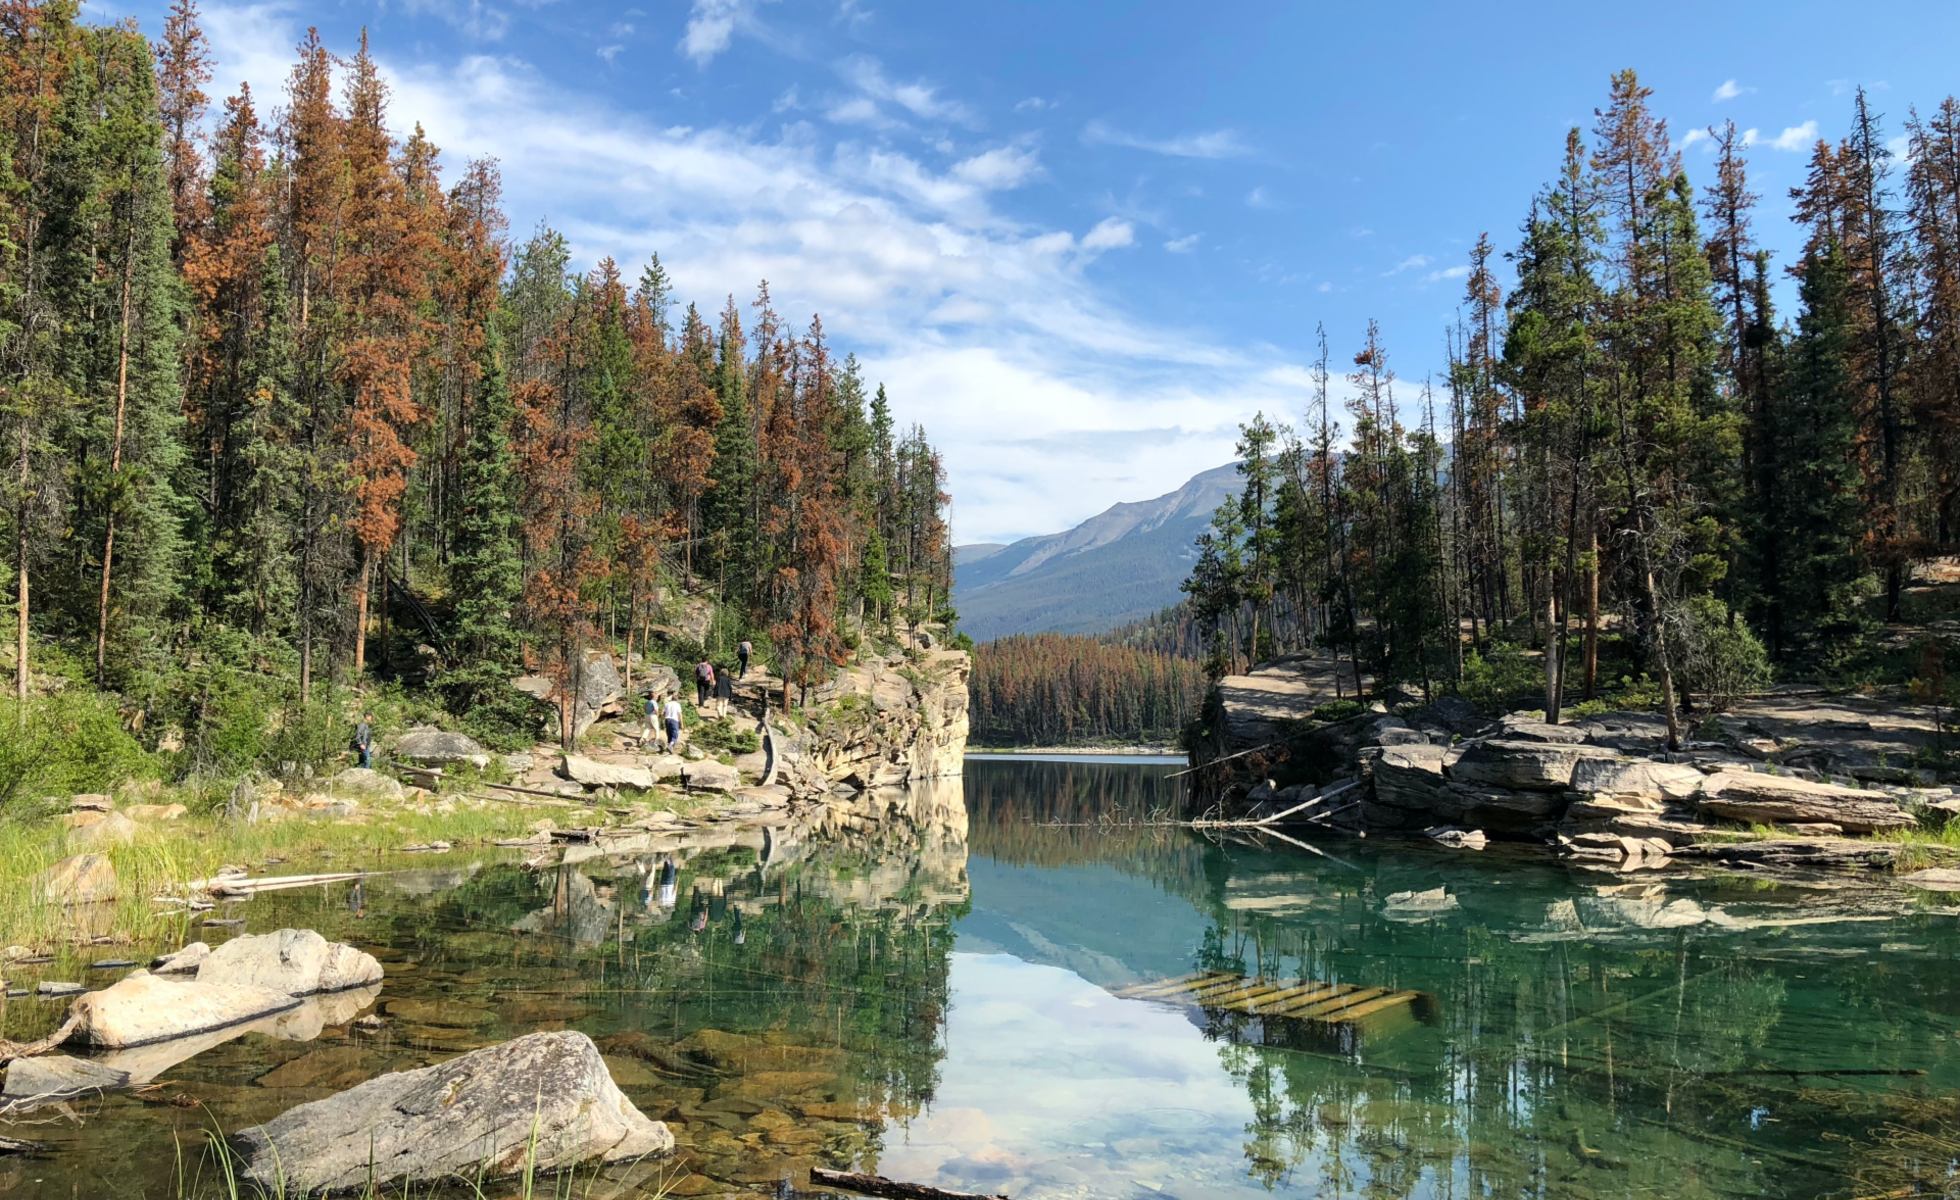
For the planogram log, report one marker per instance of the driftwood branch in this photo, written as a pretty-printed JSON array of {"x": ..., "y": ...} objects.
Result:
[
  {"x": 9, "y": 1051},
  {"x": 891, "y": 1189}
]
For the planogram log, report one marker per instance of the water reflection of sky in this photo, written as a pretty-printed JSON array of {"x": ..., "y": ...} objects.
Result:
[{"x": 1053, "y": 1087}]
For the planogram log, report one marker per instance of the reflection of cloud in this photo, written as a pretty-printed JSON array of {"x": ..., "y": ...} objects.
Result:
[{"x": 1047, "y": 1075}]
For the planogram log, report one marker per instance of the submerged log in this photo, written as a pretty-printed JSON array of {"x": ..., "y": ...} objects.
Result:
[{"x": 891, "y": 1189}]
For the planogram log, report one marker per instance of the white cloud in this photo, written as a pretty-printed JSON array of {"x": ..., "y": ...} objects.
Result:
[
  {"x": 1323, "y": 287},
  {"x": 1033, "y": 104},
  {"x": 999, "y": 168},
  {"x": 1692, "y": 137},
  {"x": 991, "y": 330},
  {"x": 1259, "y": 197},
  {"x": 1217, "y": 143},
  {"x": 1110, "y": 233},
  {"x": 1415, "y": 262},
  {"x": 472, "y": 18},
  {"x": 711, "y": 26},
  {"x": 853, "y": 13},
  {"x": 1457, "y": 272},
  {"x": 1729, "y": 90},
  {"x": 1794, "y": 138},
  {"x": 917, "y": 97},
  {"x": 611, "y": 52},
  {"x": 857, "y": 110},
  {"x": 1183, "y": 245},
  {"x": 789, "y": 101}
]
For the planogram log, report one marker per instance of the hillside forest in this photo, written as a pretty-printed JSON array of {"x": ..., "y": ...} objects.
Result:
[
  {"x": 1635, "y": 474},
  {"x": 285, "y": 411},
  {"x": 1053, "y": 689}
]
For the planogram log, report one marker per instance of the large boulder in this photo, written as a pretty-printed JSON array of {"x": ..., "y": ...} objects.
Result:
[
  {"x": 544, "y": 1102},
  {"x": 142, "y": 1008},
  {"x": 298, "y": 962},
  {"x": 1409, "y": 777},
  {"x": 592, "y": 772},
  {"x": 598, "y": 693},
  {"x": 91, "y": 828},
  {"x": 367, "y": 783},
  {"x": 656, "y": 679},
  {"x": 1751, "y": 797},
  {"x": 1523, "y": 727},
  {"x": 1522, "y": 765},
  {"x": 79, "y": 879},
  {"x": 710, "y": 776},
  {"x": 430, "y": 747},
  {"x": 1636, "y": 779}
]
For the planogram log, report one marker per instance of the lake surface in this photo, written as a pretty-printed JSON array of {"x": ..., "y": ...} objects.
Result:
[{"x": 934, "y": 996}]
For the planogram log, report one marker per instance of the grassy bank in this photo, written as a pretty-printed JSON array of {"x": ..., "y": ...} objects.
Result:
[{"x": 164, "y": 856}]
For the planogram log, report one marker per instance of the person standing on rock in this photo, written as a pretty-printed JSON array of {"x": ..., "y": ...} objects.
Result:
[
  {"x": 724, "y": 691},
  {"x": 364, "y": 739},
  {"x": 673, "y": 714},
  {"x": 704, "y": 683},
  {"x": 742, "y": 654}
]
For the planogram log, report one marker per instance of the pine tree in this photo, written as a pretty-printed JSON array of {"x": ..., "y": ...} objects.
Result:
[
  {"x": 1821, "y": 584},
  {"x": 486, "y": 575}
]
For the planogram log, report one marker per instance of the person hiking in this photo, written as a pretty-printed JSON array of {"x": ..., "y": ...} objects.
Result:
[
  {"x": 364, "y": 739},
  {"x": 652, "y": 718},
  {"x": 742, "y": 653},
  {"x": 672, "y": 712},
  {"x": 724, "y": 691},
  {"x": 704, "y": 683}
]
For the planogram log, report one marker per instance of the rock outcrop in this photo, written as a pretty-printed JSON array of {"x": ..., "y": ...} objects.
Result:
[
  {"x": 1605, "y": 790},
  {"x": 430, "y": 747},
  {"x": 893, "y": 721},
  {"x": 598, "y": 691},
  {"x": 79, "y": 879},
  {"x": 545, "y": 1101},
  {"x": 1752, "y": 796}
]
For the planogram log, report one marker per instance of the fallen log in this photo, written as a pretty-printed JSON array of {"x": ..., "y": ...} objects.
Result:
[
  {"x": 239, "y": 885},
  {"x": 891, "y": 1189},
  {"x": 554, "y": 797}
]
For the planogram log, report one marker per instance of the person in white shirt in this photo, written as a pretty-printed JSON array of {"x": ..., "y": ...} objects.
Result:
[{"x": 673, "y": 715}]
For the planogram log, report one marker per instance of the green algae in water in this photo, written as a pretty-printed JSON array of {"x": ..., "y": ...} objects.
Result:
[{"x": 933, "y": 998}]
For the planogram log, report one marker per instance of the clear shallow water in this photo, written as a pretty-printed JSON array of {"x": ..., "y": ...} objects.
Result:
[{"x": 933, "y": 997}]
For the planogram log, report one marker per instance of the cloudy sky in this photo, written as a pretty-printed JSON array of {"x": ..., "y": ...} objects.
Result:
[{"x": 1080, "y": 242}]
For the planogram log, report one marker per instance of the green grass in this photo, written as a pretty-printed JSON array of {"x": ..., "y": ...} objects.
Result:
[{"x": 166, "y": 855}]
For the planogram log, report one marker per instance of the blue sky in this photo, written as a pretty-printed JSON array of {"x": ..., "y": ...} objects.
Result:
[{"x": 1080, "y": 242}]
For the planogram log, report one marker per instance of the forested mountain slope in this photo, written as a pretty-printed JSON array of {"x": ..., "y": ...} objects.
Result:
[{"x": 1120, "y": 565}]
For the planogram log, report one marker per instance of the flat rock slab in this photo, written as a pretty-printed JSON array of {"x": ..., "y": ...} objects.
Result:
[
  {"x": 1934, "y": 879},
  {"x": 1523, "y": 765},
  {"x": 1752, "y": 796},
  {"x": 143, "y": 1008},
  {"x": 51, "y": 1077},
  {"x": 545, "y": 1099}
]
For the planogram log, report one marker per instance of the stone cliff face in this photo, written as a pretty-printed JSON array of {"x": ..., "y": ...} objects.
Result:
[{"x": 888, "y": 722}]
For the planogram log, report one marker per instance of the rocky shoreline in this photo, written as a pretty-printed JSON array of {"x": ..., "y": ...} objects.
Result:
[{"x": 1781, "y": 783}]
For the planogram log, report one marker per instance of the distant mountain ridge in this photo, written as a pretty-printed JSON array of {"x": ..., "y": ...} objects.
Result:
[{"x": 1121, "y": 565}]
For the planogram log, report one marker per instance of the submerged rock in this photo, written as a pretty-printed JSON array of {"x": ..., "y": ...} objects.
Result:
[
  {"x": 543, "y": 1101},
  {"x": 47, "y": 1078}
]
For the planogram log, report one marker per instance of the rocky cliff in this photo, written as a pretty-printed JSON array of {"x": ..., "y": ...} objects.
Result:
[{"x": 894, "y": 720}]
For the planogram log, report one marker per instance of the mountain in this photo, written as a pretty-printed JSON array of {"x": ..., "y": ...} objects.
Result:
[{"x": 1122, "y": 564}]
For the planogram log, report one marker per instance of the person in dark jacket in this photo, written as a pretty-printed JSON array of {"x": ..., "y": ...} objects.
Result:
[
  {"x": 742, "y": 654},
  {"x": 724, "y": 691},
  {"x": 364, "y": 739},
  {"x": 704, "y": 683}
]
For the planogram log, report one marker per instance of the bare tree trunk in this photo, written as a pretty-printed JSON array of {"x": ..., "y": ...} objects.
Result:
[
  {"x": 20, "y": 568},
  {"x": 361, "y": 586},
  {"x": 115, "y": 468},
  {"x": 1592, "y": 618}
]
